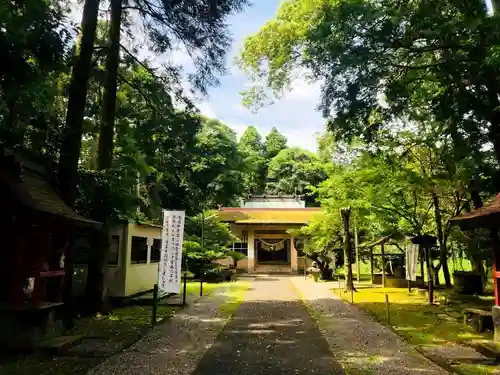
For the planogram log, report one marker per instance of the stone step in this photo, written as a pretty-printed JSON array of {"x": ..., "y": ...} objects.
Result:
[{"x": 269, "y": 269}]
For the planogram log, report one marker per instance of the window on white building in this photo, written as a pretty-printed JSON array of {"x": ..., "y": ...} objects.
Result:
[{"x": 241, "y": 247}]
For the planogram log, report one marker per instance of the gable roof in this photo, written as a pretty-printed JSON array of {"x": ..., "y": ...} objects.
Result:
[
  {"x": 268, "y": 215},
  {"x": 487, "y": 216},
  {"x": 26, "y": 182}
]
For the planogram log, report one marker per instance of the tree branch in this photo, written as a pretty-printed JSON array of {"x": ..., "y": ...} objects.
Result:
[{"x": 143, "y": 94}]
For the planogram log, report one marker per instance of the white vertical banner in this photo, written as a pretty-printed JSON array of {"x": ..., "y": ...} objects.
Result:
[
  {"x": 169, "y": 269},
  {"x": 411, "y": 262}
]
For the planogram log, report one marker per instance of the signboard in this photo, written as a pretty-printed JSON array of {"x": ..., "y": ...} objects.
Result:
[
  {"x": 169, "y": 269},
  {"x": 411, "y": 262}
]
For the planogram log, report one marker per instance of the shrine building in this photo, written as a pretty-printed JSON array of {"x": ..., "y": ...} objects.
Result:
[{"x": 262, "y": 226}]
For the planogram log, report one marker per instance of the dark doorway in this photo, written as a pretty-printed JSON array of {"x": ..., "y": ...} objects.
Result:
[{"x": 265, "y": 253}]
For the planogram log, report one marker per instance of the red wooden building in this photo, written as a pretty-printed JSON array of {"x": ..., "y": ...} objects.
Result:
[
  {"x": 487, "y": 217},
  {"x": 35, "y": 225}
]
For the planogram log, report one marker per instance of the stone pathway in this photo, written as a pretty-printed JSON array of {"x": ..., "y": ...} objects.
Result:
[
  {"x": 175, "y": 347},
  {"x": 359, "y": 343},
  {"x": 270, "y": 333},
  {"x": 286, "y": 325}
]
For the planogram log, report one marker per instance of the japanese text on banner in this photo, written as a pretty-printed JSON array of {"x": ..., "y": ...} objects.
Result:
[{"x": 169, "y": 269}]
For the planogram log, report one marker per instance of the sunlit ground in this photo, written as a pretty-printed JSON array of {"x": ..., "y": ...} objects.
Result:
[{"x": 421, "y": 324}]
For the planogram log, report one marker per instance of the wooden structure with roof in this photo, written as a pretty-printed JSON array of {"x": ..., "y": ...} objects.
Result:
[
  {"x": 385, "y": 278},
  {"x": 36, "y": 224},
  {"x": 487, "y": 217},
  {"x": 262, "y": 227}
]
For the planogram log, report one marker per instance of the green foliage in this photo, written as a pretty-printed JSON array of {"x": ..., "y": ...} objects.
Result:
[
  {"x": 236, "y": 256},
  {"x": 206, "y": 240},
  {"x": 409, "y": 91},
  {"x": 383, "y": 62},
  {"x": 323, "y": 244},
  {"x": 217, "y": 165},
  {"x": 252, "y": 148},
  {"x": 294, "y": 171},
  {"x": 33, "y": 45},
  {"x": 275, "y": 142},
  {"x": 200, "y": 27}
]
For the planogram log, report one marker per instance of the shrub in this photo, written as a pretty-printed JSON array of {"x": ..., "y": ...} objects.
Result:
[{"x": 236, "y": 256}]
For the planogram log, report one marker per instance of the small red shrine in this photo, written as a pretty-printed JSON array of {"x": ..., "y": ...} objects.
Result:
[
  {"x": 36, "y": 225},
  {"x": 487, "y": 217}
]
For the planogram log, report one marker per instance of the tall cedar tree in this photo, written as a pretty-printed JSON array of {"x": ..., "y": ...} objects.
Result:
[
  {"x": 72, "y": 136},
  {"x": 201, "y": 28}
]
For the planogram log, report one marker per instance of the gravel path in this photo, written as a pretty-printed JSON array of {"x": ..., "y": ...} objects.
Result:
[
  {"x": 175, "y": 347},
  {"x": 359, "y": 343},
  {"x": 270, "y": 333},
  {"x": 286, "y": 325}
]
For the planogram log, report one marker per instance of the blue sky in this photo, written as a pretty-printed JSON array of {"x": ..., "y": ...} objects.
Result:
[{"x": 295, "y": 116}]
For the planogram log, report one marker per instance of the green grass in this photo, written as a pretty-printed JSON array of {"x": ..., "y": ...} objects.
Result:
[
  {"x": 235, "y": 295},
  {"x": 193, "y": 287},
  {"x": 458, "y": 264},
  {"x": 421, "y": 324}
]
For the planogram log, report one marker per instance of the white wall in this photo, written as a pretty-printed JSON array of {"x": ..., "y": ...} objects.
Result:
[
  {"x": 274, "y": 203},
  {"x": 143, "y": 276}
]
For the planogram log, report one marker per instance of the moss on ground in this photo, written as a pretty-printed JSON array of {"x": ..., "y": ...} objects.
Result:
[
  {"x": 421, "y": 324},
  {"x": 235, "y": 295}
]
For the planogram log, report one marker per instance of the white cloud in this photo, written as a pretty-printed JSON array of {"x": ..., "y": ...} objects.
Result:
[
  {"x": 302, "y": 138},
  {"x": 238, "y": 127},
  {"x": 181, "y": 57},
  {"x": 303, "y": 90},
  {"x": 206, "y": 109}
]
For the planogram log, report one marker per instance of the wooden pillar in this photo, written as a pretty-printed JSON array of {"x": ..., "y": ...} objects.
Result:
[
  {"x": 346, "y": 212},
  {"x": 358, "y": 268},
  {"x": 293, "y": 254},
  {"x": 371, "y": 263},
  {"x": 495, "y": 258},
  {"x": 496, "y": 275},
  {"x": 383, "y": 264},
  {"x": 422, "y": 260},
  {"x": 251, "y": 250},
  {"x": 430, "y": 282}
]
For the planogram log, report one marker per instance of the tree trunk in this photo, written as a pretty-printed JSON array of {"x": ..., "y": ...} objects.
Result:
[
  {"x": 96, "y": 290},
  {"x": 494, "y": 119},
  {"x": 356, "y": 248},
  {"x": 347, "y": 250},
  {"x": 72, "y": 136},
  {"x": 475, "y": 260},
  {"x": 109, "y": 97},
  {"x": 435, "y": 273},
  {"x": 443, "y": 253},
  {"x": 476, "y": 198}
]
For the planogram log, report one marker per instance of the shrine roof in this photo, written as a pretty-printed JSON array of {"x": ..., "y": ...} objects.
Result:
[
  {"x": 26, "y": 181},
  {"x": 487, "y": 216},
  {"x": 268, "y": 215}
]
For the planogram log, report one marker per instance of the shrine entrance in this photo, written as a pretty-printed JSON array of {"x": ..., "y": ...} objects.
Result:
[{"x": 272, "y": 251}]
